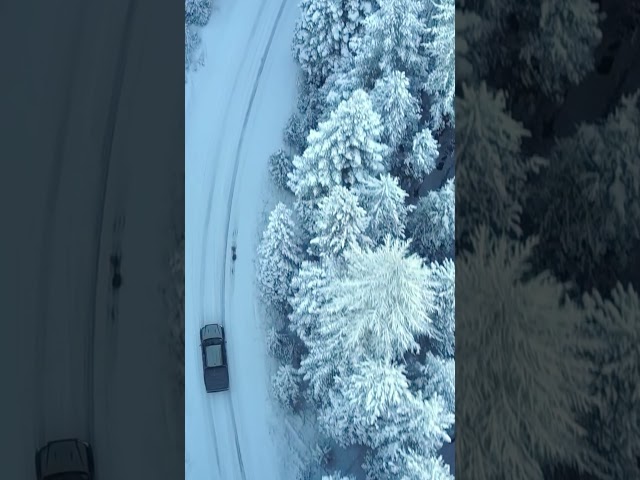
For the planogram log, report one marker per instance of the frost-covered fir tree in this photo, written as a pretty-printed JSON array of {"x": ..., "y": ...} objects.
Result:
[
  {"x": 614, "y": 324},
  {"x": 326, "y": 32},
  {"x": 345, "y": 150},
  {"x": 325, "y": 356},
  {"x": 308, "y": 298},
  {"x": 603, "y": 193},
  {"x": 384, "y": 201},
  {"x": 280, "y": 166},
  {"x": 279, "y": 345},
  {"x": 438, "y": 375},
  {"x": 279, "y": 256},
  {"x": 295, "y": 135},
  {"x": 516, "y": 353},
  {"x": 340, "y": 85},
  {"x": 392, "y": 39},
  {"x": 340, "y": 224},
  {"x": 285, "y": 386},
  {"x": 407, "y": 466},
  {"x": 361, "y": 399},
  {"x": 441, "y": 284},
  {"x": 432, "y": 224},
  {"x": 397, "y": 107},
  {"x": 193, "y": 56},
  {"x": 560, "y": 51},
  {"x": 379, "y": 305},
  {"x": 543, "y": 46},
  {"x": 197, "y": 12},
  {"x": 422, "y": 159},
  {"x": 492, "y": 169},
  {"x": 406, "y": 437},
  {"x": 440, "y": 80}
]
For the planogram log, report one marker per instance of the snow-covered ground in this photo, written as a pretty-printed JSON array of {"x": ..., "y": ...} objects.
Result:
[{"x": 236, "y": 106}]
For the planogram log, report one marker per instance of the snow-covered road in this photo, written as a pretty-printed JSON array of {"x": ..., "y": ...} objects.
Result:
[
  {"x": 72, "y": 349},
  {"x": 235, "y": 109}
]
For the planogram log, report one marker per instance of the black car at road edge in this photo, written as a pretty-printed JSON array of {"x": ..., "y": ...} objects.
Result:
[{"x": 214, "y": 358}]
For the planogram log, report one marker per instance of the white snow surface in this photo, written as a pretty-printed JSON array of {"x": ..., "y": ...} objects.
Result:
[{"x": 236, "y": 106}]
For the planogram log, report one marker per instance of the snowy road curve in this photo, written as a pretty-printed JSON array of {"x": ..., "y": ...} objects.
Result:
[{"x": 235, "y": 109}]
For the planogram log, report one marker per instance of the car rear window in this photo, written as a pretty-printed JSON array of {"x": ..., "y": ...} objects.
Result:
[{"x": 213, "y": 355}]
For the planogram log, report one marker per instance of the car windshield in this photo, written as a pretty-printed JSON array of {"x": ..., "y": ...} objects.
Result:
[
  {"x": 68, "y": 476},
  {"x": 214, "y": 355}
]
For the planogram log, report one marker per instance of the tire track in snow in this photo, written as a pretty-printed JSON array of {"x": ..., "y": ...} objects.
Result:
[
  {"x": 205, "y": 237},
  {"x": 107, "y": 145},
  {"x": 52, "y": 197},
  {"x": 230, "y": 203}
]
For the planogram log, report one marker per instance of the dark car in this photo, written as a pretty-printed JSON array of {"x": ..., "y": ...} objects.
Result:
[
  {"x": 214, "y": 358},
  {"x": 67, "y": 459}
]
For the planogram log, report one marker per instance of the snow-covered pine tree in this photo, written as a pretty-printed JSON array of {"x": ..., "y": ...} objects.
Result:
[
  {"x": 407, "y": 436},
  {"x": 519, "y": 337},
  {"x": 279, "y": 256},
  {"x": 193, "y": 57},
  {"x": 391, "y": 40},
  {"x": 492, "y": 169},
  {"x": 384, "y": 201},
  {"x": 606, "y": 185},
  {"x": 397, "y": 107},
  {"x": 285, "y": 386},
  {"x": 406, "y": 465},
  {"x": 308, "y": 298},
  {"x": 560, "y": 51},
  {"x": 440, "y": 80},
  {"x": 326, "y": 32},
  {"x": 340, "y": 225},
  {"x": 345, "y": 150},
  {"x": 340, "y": 85},
  {"x": 280, "y": 165},
  {"x": 422, "y": 159},
  {"x": 614, "y": 325},
  {"x": 361, "y": 399},
  {"x": 432, "y": 224},
  {"x": 317, "y": 41},
  {"x": 197, "y": 12},
  {"x": 295, "y": 135},
  {"x": 438, "y": 375},
  {"x": 379, "y": 306},
  {"x": 441, "y": 284}
]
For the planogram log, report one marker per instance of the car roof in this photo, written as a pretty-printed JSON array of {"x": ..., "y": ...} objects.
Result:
[
  {"x": 213, "y": 356},
  {"x": 64, "y": 456},
  {"x": 211, "y": 331}
]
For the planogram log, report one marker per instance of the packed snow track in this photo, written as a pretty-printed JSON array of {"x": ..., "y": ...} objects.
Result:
[{"x": 235, "y": 109}]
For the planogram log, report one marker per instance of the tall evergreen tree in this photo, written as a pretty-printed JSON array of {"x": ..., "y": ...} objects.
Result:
[
  {"x": 327, "y": 31},
  {"x": 614, "y": 325},
  {"x": 371, "y": 391},
  {"x": 493, "y": 169},
  {"x": 340, "y": 225},
  {"x": 605, "y": 186},
  {"x": 560, "y": 52},
  {"x": 384, "y": 201},
  {"x": 441, "y": 284},
  {"x": 391, "y": 40},
  {"x": 440, "y": 78},
  {"x": 522, "y": 373},
  {"x": 345, "y": 150},
  {"x": 432, "y": 224},
  {"x": 380, "y": 303},
  {"x": 422, "y": 159},
  {"x": 397, "y": 107},
  {"x": 279, "y": 256}
]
